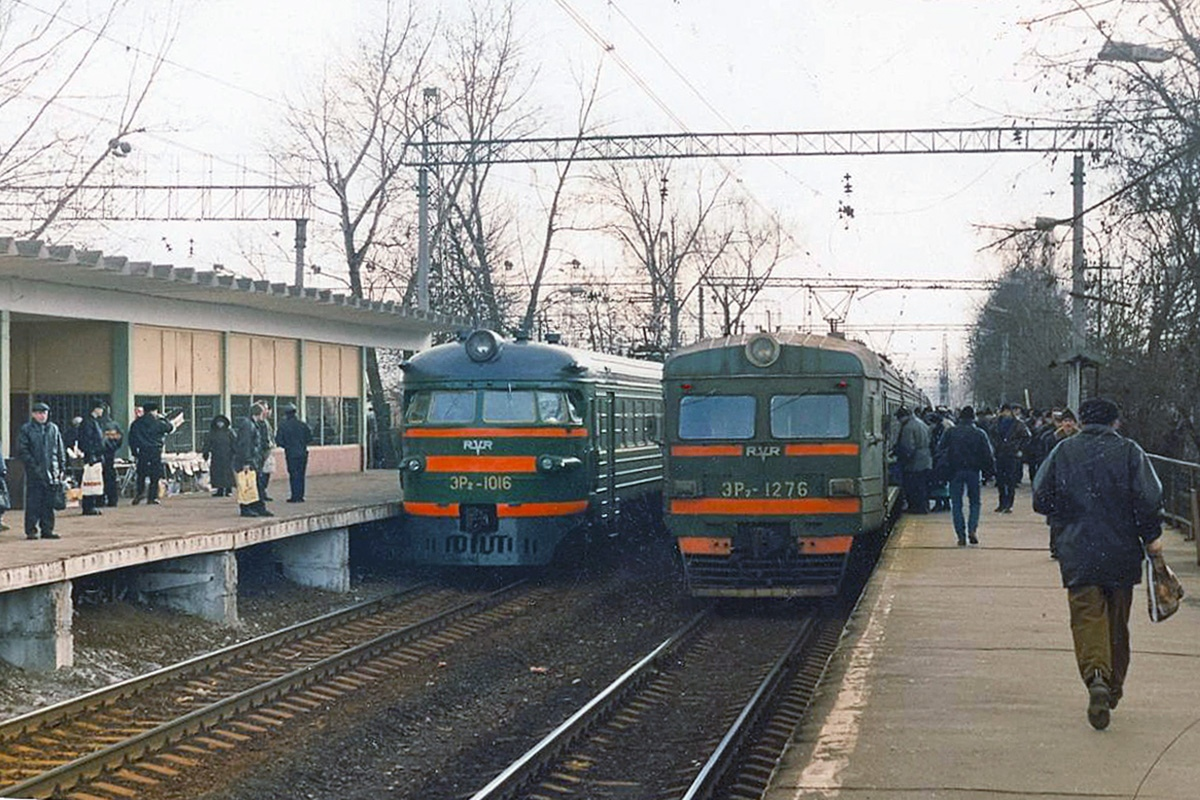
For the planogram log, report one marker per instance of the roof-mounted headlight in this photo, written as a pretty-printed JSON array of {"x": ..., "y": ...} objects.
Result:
[
  {"x": 762, "y": 350},
  {"x": 482, "y": 345}
]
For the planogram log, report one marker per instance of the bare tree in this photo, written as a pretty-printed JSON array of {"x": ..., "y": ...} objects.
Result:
[
  {"x": 356, "y": 136},
  {"x": 662, "y": 236},
  {"x": 46, "y": 161},
  {"x": 745, "y": 258}
]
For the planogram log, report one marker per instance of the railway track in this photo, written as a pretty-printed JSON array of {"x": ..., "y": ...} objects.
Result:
[
  {"x": 122, "y": 741},
  {"x": 698, "y": 717}
]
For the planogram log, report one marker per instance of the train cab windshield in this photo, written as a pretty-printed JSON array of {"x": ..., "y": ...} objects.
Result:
[
  {"x": 810, "y": 416},
  {"x": 716, "y": 416},
  {"x": 517, "y": 406}
]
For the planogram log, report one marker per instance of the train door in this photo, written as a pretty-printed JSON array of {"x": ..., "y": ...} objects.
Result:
[{"x": 606, "y": 462}]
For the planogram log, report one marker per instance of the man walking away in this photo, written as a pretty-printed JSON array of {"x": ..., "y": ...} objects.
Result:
[
  {"x": 294, "y": 436},
  {"x": 967, "y": 453},
  {"x": 912, "y": 452},
  {"x": 40, "y": 446},
  {"x": 146, "y": 436},
  {"x": 1008, "y": 442},
  {"x": 91, "y": 443},
  {"x": 1102, "y": 490}
]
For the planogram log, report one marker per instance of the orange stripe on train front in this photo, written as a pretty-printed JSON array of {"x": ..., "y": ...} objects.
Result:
[
  {"x": 821, "y": 450},
  {"x": 703, "y": 450},
  {"x": 764, "y": 507},
  {"x": 824, "y": 545},
  {"x": 561, "y": 509},
  {"x": 480, "y": 463},
  {"x": 495, "y": 433},
  {"x": 705, "y": 545}
]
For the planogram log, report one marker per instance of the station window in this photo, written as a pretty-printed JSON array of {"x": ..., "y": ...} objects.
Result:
[
  {"x": 198, "y": 412},
  {"x": 65, "y": 407},
  {"x": 716, "y": 417},
  {"x": 810, "y": 416}
]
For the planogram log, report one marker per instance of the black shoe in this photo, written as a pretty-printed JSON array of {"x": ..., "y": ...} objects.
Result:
[
  {"x": 1006, "y": 511},
  {"x": 266, "y": 499},
  {"x": 31, "y": 536},
  {"x": 998, "y": 509},
  {"x": 137, "y": 498},
  {"x": 1099, "y": 702},
  {"x": 245, "y": 512},
  {"x": 92, "y": 513},
  {"x": 973, "y": 539},
  {"x": 51, "y": 536},
  {"x": 295, "y": 500},
  {"x": 153, "y": 502},
  {"x": 962, "y": 542}
]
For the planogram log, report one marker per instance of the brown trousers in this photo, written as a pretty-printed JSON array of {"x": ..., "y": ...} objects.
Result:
[{"x": 1100, "y": 628}]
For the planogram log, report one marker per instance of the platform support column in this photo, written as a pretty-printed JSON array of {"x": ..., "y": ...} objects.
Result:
[
  {"x": 202, "y": 585},
  {"x": 317, "y": 560},
  {"x": 35, "y": 627}
]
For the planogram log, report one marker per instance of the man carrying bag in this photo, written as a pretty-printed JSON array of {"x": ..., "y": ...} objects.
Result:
[
  {"x": 40, "y": 446},
  {"x": 247, "y": 456},
  {"x": 91, "y": 444}
]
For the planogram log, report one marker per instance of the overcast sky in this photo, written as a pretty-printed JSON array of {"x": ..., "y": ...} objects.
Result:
[{"x": 697, "y": 65}]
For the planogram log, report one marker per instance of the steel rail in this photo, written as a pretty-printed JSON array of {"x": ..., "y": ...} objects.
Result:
[
  {"x": 15, "y": 726},
  {"x": 94, "y": 764},
  {"x": 743, "y": 728},
  {"x": 528, "y": 766}
]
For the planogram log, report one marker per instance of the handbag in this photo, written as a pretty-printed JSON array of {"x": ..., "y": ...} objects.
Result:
[
  {"x": 1163, "y": 589},
  {"x": 92, "y": 482},
  {"x": 58, "y": 495},
  {"x": 269, "y": 464},
  {"x": 247, "y": 487}
]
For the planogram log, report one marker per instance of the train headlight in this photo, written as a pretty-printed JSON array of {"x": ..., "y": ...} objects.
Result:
[
  {"x": 482, "y": 345},
  {"x": 549, "y": 463},
  {"x": 413, "y": 464},
  {"x": 762, "y": 350}
]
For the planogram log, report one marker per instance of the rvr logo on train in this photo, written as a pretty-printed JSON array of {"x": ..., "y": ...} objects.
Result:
[
  {"x": 477, "y": 446},
  {"x": 762, "y": 451}
]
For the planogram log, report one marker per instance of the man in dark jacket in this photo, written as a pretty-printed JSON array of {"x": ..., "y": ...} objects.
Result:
[
  {"x": 1009, "y": 438},
  {"x": 248, "y": 454},
  {"x": 967, "y": 453},
  {"x": 294, "y": 436},
  {"x": 146, "y": 437},
  {"x": 1102, "y": 491},
  {"x": 90, "y": 442},
  {"x": 114, "y": 437},
  {"x": 915, "y": 459},
  {"x": 40, "y": 446}
]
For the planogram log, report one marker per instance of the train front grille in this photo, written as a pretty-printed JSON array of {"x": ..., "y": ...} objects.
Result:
[{"x": 764, "y": 561}]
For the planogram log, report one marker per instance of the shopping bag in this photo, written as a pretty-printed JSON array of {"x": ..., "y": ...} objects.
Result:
[
  {"x": 92, "y": 482},
  {"x": 247, "y": 487},
  {"x": 1163, "y": 589},
  {"x": 269, "y": 464}
]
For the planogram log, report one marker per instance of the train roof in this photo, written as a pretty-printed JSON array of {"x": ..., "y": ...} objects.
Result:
[
  {"x": 524, "y": 360},
  {"x": 687, "y": 360}
]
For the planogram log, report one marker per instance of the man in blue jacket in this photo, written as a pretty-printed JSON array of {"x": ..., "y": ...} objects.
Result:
[
  {"x": 966, "y": 452},
  {"x": 1102, "y": 493}
]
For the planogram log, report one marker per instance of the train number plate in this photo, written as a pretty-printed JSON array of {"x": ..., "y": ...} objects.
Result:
[
  {"x": 794, "y": 487},
  {"x": 478, "y": 518}
]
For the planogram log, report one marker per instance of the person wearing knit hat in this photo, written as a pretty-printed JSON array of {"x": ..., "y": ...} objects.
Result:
[{"x": 1101, "y": 492}]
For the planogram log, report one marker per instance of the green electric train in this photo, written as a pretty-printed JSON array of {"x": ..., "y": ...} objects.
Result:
[
  {"x": 776, "y": 452},
  {"x": 514, "y": 450}
]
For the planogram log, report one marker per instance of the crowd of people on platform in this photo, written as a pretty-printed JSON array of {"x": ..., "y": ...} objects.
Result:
[
  {"x": 1097, "y": 489},
  {"x": 87, "y": 451}
]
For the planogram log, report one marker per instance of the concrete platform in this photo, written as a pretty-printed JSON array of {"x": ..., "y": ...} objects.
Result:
[
  {"x": 958, "y": 681},
  {"x": 180, "y": 554}
]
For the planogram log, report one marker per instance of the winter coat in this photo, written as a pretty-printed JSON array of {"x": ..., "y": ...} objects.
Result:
[
  {"x": 1009, "y": 437},
  {"x": 912, "y": 446},
  {"x": 248, "y": 446},
  {"x": 294, "y": 436},
  {"x": 1101, "y": 492},
  {"x": 966, "y": 447},
  {"x": 40, "y": 446},
  {"x": 91, "y": 440},
  {"x": 218, "y": 449},
  {"x": 147, "y": 434}
]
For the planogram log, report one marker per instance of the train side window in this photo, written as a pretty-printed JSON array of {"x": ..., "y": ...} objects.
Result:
[
  {"x": 716, "y": 417},
  {"x": 810, "y": 416},
  {"x": 509, "y": 406}
]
